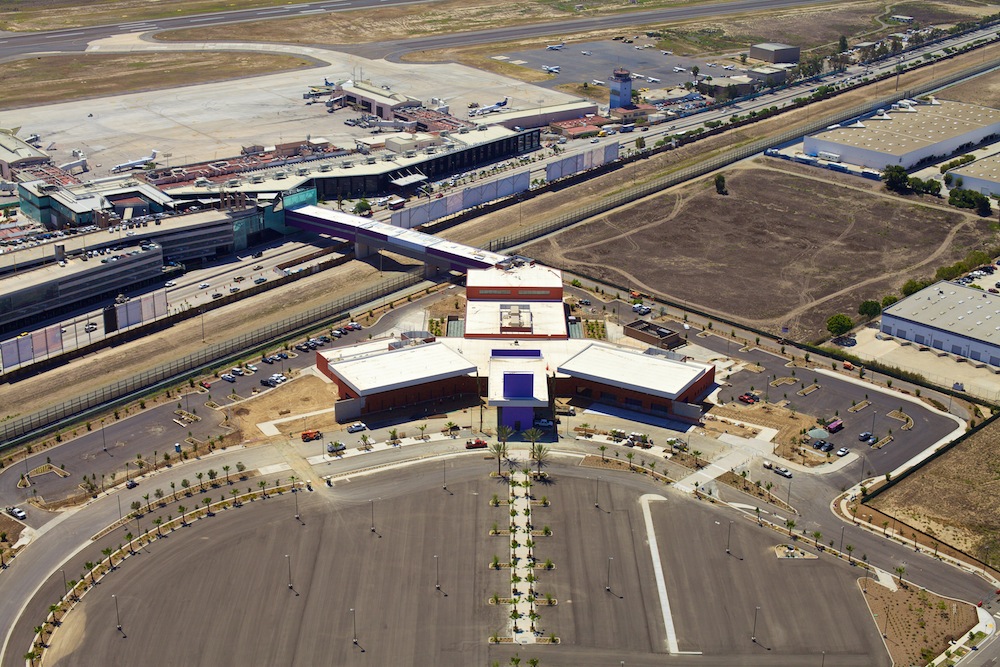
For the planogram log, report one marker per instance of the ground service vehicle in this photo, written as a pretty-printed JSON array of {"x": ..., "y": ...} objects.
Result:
[{"x": 311, "y": 435}]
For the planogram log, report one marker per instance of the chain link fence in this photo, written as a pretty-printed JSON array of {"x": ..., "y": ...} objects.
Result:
[{"x": 208, "y": 356}]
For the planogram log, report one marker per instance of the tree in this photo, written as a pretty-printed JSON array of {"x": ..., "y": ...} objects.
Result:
[
  {"x": 422, "y": 428},
  {"x": 212, "y": 474},
  {"x": 888, "y": 300},
  {"x": 630, "y": 455},
  {"x": 743, "y": 58},
  {"x": 603, "y": 449},
  {"x": 183, "y": 511},
  {"x": 896, "y": 179},
  {"x": 869, "y": 309},
  {"x": 540, "y": 454},
  {"x": 533, "y": 435},
  {"x": 157, "y": 522},
  {"x": 790, "y": 524},
  {"x": 900, "y": 571},
  {"x": 108, "y": 552},
  {"x": 640, "y": 143},
  {"x": 817, "y": 536},
  {"x": 499, "y": 450},
  {"x": 842, "y": 44},
  {"x": 720, "y": 184},
  {"x": 839, "y": 324},
  {"x": 226, "y": 469},
  {"x": 451, "y": 427},
  {"x": 201, "y": 484},
  {"x": 362, "y": 207},
  {"x": 696, "y": 453},
  {"x": 850, "y": 550},
  {"x": 89, "y": 566}
]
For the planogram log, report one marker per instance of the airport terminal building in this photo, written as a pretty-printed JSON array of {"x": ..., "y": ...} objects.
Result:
[{"x": 517, "y": 355}]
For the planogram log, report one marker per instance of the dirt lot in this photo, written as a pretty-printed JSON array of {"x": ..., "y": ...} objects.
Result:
[
  {"x": 983, "y": 90},
  {"x": 84, "y": 375},
  {"x": 918, "y": 621},
  {"x": 954, "y": 497},
  {"x": 789, "y": 239},
  {"x": 88, "y": 76},
  {"x": 306, "y": 393}
]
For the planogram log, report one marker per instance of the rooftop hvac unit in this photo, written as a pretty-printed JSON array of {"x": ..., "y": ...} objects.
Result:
[
  {"x": 202, "y": 182},
  {"x": 302, "y": 171},
  {"x": 410, "y": 153},
  {"x": 430, "y": 150},
  {"x": 256, "y": 178},
  {"x": 444, "y": 133},
  {"x": 482, "y": 128},
  {"x": 388, "y": 157},
  {"x": 370, "y": 159},
  {"x": 278, "y": 175},
  {"x": 346, "y": 164},
  {"x": 324, "y": 167},
  {"x": 463, "y": 130}
]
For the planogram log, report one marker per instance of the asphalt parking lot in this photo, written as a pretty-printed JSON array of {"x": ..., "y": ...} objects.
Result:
[
  {"x": 606, "y": 56},
  {"x": 336, "y": 563}
]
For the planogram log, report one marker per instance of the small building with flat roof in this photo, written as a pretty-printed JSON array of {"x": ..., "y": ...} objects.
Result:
[
  {"x": 953, "y": 318},
  {"x": 775, "y": 52},
  {"x": 16, "y": 152},
  {"x": 906, "y": 134},
  {"x": 983, "y": 175}
]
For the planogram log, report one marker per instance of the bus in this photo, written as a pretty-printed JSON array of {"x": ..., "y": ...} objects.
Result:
[
  {"x": 396, "y": 203},
  {"x": 835, "y": 426}
]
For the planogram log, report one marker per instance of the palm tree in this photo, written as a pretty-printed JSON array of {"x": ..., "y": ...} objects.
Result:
[
  {"x": 207, "y": 502},
  {"x": 145, "y": 497},
  {"x": 422, "y": 428},
  {"x": 900, "y": 571},
  {"x": 90, "y": 568},
  {"x": 365, "y": 440},
  {"x": 696, "y": 453},
  {"x": 499, "y": 450},
  {"x": 630, "y": 456},
  {"x": 504, "y": 433},
  {"x": 816, "y": 537},
  {"x": 109, "y": 554},
  {"x": 201, "y": 485},
  {"x": 789, "y": 524},
  {"x": 850, "y": 550},
  {"x": 263, "y": 487},
  {"x": 31, "y": 657},
  {"x": 54, "y": 609},
  {"x": 182, "y": 510},
  {"x": 540, "y": 453},
  {"x": 226, "y": 470},
  {"x": 129, "y": 536},
  {"x": 157, "y": 521},
  {"x": 533, "y": 435},
  {"x": 652, "y": 468},
  {"x": 885, "y": 524},
  {"x": 603, "y": 449},
  {"x": 393, "y": 434},
  {"x": 451, "y": 427}
]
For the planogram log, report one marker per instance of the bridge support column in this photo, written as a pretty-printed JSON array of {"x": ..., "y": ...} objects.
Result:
[
  {"x": 430, "y": 271},
  {"x": 362, "y": 250}
]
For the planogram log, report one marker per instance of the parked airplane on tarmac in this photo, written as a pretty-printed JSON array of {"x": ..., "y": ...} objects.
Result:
[
  {"x": 134, "y": 164},
  {"x": 555, "y": 47},
  {"x": 552, "y": 69}
]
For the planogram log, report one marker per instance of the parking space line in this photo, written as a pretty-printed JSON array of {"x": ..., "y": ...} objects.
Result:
[{"x": 661, "y": 585}]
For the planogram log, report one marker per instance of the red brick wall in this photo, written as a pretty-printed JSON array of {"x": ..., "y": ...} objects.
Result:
[
  {"x": 431, "y": 391},
  {"x": 550, "y": 294}
]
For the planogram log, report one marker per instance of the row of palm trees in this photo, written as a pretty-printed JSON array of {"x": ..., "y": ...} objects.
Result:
[{"x": 539, "y": 453}]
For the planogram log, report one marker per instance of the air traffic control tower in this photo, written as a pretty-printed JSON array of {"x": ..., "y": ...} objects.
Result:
[{"x": 621, "y": 88}]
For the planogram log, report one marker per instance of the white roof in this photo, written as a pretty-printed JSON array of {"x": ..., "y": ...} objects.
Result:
[
  {"x": 373, "y": 368},
  {"x": 626, "y": 369},
  {"x": 493, "y": 318},
  {"x": 525, "y": 275},
  {"x": 502, "y": 366},
  {"x": 965, "y": 311}
]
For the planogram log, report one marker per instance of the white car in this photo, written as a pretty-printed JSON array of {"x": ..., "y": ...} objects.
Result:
[
  {"x": 170, "y": 283},
  {"x": 544, "y": 423},
  {"x": 204, "y": 286},
  {"x": 251, "y": 368},
  {"x": 17, "y": 513},
  {"x": 784, "y": 472},
  {"x": 357, "y": 426},
  {"x": 843, "y": 451}
]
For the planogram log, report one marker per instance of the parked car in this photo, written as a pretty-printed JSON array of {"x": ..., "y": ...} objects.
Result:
[
  {"x": 335, "y": 447},
  {"x": 478, "y": 443},
  {"x": 236, "y": 370},
  {"x": 217, "y": 295},
  {"x": 258, "y": 267},
  {"x": 843, "y": 451},
  {"x": 356, "y": 426},
  {"x": 227, "y": 377},
  {"x": 260, "y": 280},
  {"x": 784, "y": 472},
  {"x": 544, "y": 423},
  {"x": 17, "y": 513},
  {"x": 205, "y": 384},
  {"x": 818, "y": 444},
  {"x": 584, "y": 302},
  {"x": 268, "y": 382},
  {"x": 131, "y": 484},
  {"x": 251, "y": 368}
]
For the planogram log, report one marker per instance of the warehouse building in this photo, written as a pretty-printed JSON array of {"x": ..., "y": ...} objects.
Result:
[
  {"x": 907, "y": 134},
  {"x": 516, "y": 355},
  {"x": 773, "y": 52},
  {"x": 953, "y": 318},
  {"x": 983, "y": 175}
]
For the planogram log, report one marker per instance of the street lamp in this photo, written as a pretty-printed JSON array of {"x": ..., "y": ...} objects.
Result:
[
  {"x": 372, "y": 503},
  {"x": 597, "y": 494},
  {"x": 842, "y": 529},
  {"x": 354, "y": 622},
  {"x": 608, "y": 586},
  {"x": 444, "y": 475},
  {"x": 437, "y": 574},
  {"x": 296, "y": 496},
  {"x": 753, "y": 635},
  {"x": 289, "y": 562},
  {"x": 65, "y": 585},
  {"x": 118, "y": 616},
  {"x": 729, "y": 536}
]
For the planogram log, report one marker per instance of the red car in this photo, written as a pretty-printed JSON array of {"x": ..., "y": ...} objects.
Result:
[
  {"x": 205, "y": 384},
  {"x": 478, "y": 443},
  {"x": 749, "y": 398}
]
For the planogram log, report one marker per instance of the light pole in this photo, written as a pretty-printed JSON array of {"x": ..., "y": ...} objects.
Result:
[
  {"x": 354, "y": 622},
  {"x": 104, "y": 438},
  {"x": 65, "y": 585},
  {"x": 296, "y": 496},
  {"x": 729, "y": 535},
  {"x": 885, "y": 626},
  {"x": 823, "y": 662},
  {"x": 444, "y": 475},
  {"x": 608, "y": 586},
  {"x": 289, "y": 562},
  {"x": 120, "y": 520},
  {"x": 842, "y": 529},
  {"x": 753, "y": 635},
  {"x": 118, "y": 616},
  {"x": 372, "y": 503},
  {"x": 597, "y": 494},
  {"x": 437, "y": 574}
]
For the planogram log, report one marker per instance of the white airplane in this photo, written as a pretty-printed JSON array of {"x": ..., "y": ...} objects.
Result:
[
  {"x": 597, "y": 82},
  {"x": 679, "y": 69},
  {"x": 587, "y": 53},
  {"x": 481, "y": 111},
  {"x": 552, "y": 69},
  {"x": 729, "y": 67},
  {"x": 134, "y": 164},
  {"x": 555, "y": 47},
  {"x": 667, "y": 53},
  {"x": 652, "y": 79}
]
